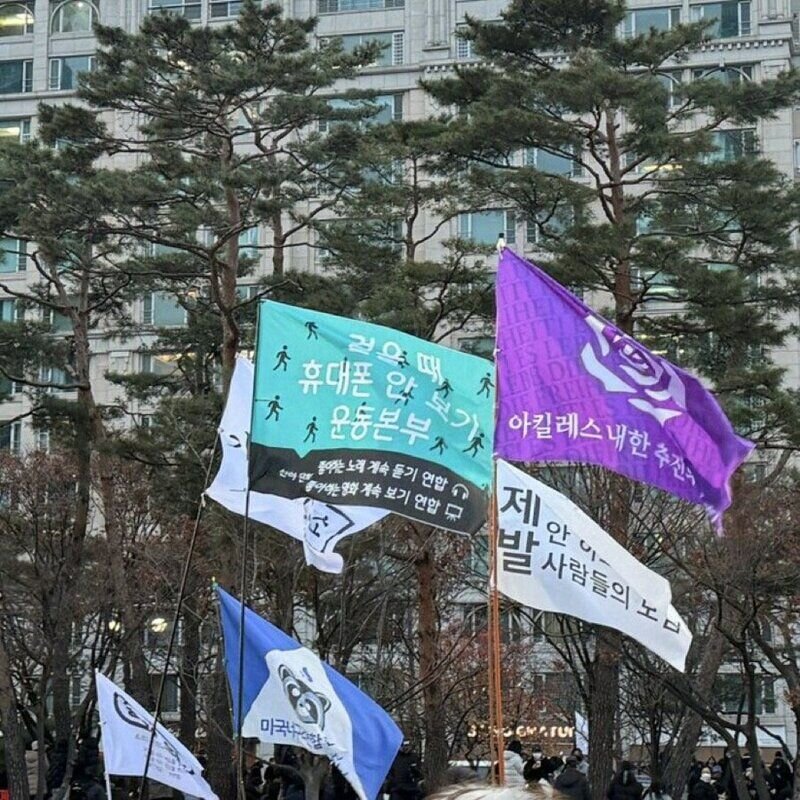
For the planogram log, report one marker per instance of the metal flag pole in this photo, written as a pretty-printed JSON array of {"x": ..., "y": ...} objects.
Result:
[{"x": 240, "y": 760}]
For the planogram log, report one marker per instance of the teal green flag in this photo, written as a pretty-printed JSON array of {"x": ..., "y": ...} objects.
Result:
[{"x": 358, "y": 414}]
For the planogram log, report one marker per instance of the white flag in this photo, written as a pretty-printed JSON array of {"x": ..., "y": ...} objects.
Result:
[
  {"x": 320, "y": 526},
  {"x": 125, "y": 729},
  {"x": 553, "y": 557},
  {"x": 582, "y": 733}
]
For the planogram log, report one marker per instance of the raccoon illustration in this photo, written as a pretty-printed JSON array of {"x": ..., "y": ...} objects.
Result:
[{"x": 309, "y": 705}]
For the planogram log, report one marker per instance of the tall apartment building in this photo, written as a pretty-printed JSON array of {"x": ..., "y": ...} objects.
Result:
[{"x": 46, "y": 44}]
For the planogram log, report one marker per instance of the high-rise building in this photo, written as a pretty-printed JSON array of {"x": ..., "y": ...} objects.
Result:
[{"x": 46, "y": 44}]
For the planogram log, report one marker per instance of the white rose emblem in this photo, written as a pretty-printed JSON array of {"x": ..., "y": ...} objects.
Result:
[{"x": 623, "y": 365}]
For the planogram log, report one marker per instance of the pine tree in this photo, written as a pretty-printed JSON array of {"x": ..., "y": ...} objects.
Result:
[{"x": 673, "y": 205}]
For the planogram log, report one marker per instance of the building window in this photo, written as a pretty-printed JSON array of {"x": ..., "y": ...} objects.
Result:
[
  {"x": 475, "y": 617},
  {"x": 731, "y": 146},
  {"x": 392, "y": 44},
  {"x": 16, "y": 76},
  {"x": 485, "y": 227},
  {"x": 229, "y": 8},
  {"x": 19, "y": 129},
  {"x": 12, "y": 255},
  {"x": 74, "y": 16},
  {"x": 390, "y": 109},
  {"x": 9, "y": 310},
  {"x": 730, "y": 76},
  {"x": 16, "y": 19},
  {"x": 248, "y": 244},
  {"x": 10, "y": 436},
  {"x": 552, "y": 163},
  {"x": 64, "y": 72},
  {"x": 727, "y": 20},
  {"x": 731, "y": 693},
  {"x": 56, "y": 378},
  {"x": 42, "y": 441},
  {"x": 184, "y": 8},
  {"x": 482, "y": 346},
  {"x": 549, "y": 224},
  {"x": 160, "y": 364},
  {"x": 169, "y": 700},
  {"x": 161, "y": 309},
  {"x": 465, "y": 48},
  {"x": 643, "y": 20},
  {"x": 671, "y": 81},
  {"x": 335, "y": 6}
]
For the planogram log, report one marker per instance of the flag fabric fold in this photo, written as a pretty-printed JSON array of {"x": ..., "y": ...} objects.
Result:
[
  {"x": 554, "y": 557},
  {"x": 573, "y": 387},
  {"x": 320, "y": 526},
  {"x": 125, "y": 728},
  {"x": 289, "y": 696}
]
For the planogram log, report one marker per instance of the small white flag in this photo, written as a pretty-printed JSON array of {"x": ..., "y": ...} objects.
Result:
[
  {"x": 125, "y": 728},
  {"x": 553, "y": 557},
  {"x": 320, "y": 526}
]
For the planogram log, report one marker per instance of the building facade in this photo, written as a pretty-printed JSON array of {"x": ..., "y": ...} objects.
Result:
[{"x": 46, "y": 44}]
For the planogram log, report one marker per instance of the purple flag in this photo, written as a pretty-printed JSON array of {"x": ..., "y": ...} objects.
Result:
[{"x": 573, "y": 387}]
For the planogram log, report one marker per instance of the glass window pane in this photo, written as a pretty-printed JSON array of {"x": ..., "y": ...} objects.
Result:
[
  {"x": 75, "y": 16},
  {"x": 647, "y": 18},
  {"x": 12, "y": 255},
  {"x": 11, "y": 75},
  {"x": 166, "y": 311},
  {"x": 16, "y": 19},
  {"x": 487, "y": 226}
]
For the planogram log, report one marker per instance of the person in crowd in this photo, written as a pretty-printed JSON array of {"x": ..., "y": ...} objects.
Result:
[
  {"x": 514, "y": 765},
  {"x": 58, "y": 765},
  {"x": 695, "y": 769},
  {"x": 625, "y": 786},
  {"x": 780, "y": 775},
  {"x": 32, "y": 768},
  {"x": 571, "y": 782},
  {"x": 655, "y": 791},
  {"x": 539, "y": 767},
  {"x": 583, "y": 762},
  {"x": 404, "y": 775},
  {"x": 704, "y": 789}
]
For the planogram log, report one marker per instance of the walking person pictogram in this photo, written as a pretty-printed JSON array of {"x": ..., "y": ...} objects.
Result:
[
  {"x": 311, "y": 327},
  {"x": 439, "y": 445},
  {"x": 282, "y": 359},
  {"x": 475, "y": 445},
  {"x": 312, "y": 430},
  {"x": 486, "y": 385},
  {"x": 275, "y": 408},
  {"x": 445, "y": 388}
]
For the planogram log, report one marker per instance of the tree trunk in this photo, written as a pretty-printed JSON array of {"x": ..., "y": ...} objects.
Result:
[
  {"x": 62, "y": 714},
  {"x": 190, "y": 654},
  {"x": 220, "y": 752},
  {"x": 603, "y": 711},
  {"x": 676, "y": 771},
  {"x": 434, "y": 761},
  {"x": 313, "y": 770},
  {"x": 12, "y": 730}
]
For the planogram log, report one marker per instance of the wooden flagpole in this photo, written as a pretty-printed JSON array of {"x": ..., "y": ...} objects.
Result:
[
  {"x": 496, "y": 726},
  {"x": 496, "y": 738}
]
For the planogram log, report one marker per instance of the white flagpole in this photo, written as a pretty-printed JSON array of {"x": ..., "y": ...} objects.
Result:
[{"x": 105, "y": 749}]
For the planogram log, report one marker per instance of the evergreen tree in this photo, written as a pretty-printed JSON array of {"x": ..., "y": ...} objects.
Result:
[
  {"x": 228, "y": 126},
  {"x": 674, "y": 205}
]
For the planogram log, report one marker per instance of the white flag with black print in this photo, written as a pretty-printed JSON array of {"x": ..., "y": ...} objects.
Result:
[
  {"x": 125, "y": 729},
  {"x": 553, "y": 557},
  {"x": 320, "y": 526}
]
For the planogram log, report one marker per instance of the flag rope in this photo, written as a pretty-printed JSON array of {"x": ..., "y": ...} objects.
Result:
[{"x": 176, "y": 618}]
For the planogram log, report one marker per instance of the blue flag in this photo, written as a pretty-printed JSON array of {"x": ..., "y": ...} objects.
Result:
[{"x": 291, "y": 697}]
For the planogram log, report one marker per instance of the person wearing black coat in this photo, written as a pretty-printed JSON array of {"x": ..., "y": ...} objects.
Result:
[
  {"x": 704, "y": 789},
  {"x": 625, "y": 786},
  {"x": 539, "y": 767},
  {"x": 404, "y": 775},
  {"x": 572, "y": 782},
  {"x": 780, "y": 775}
]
